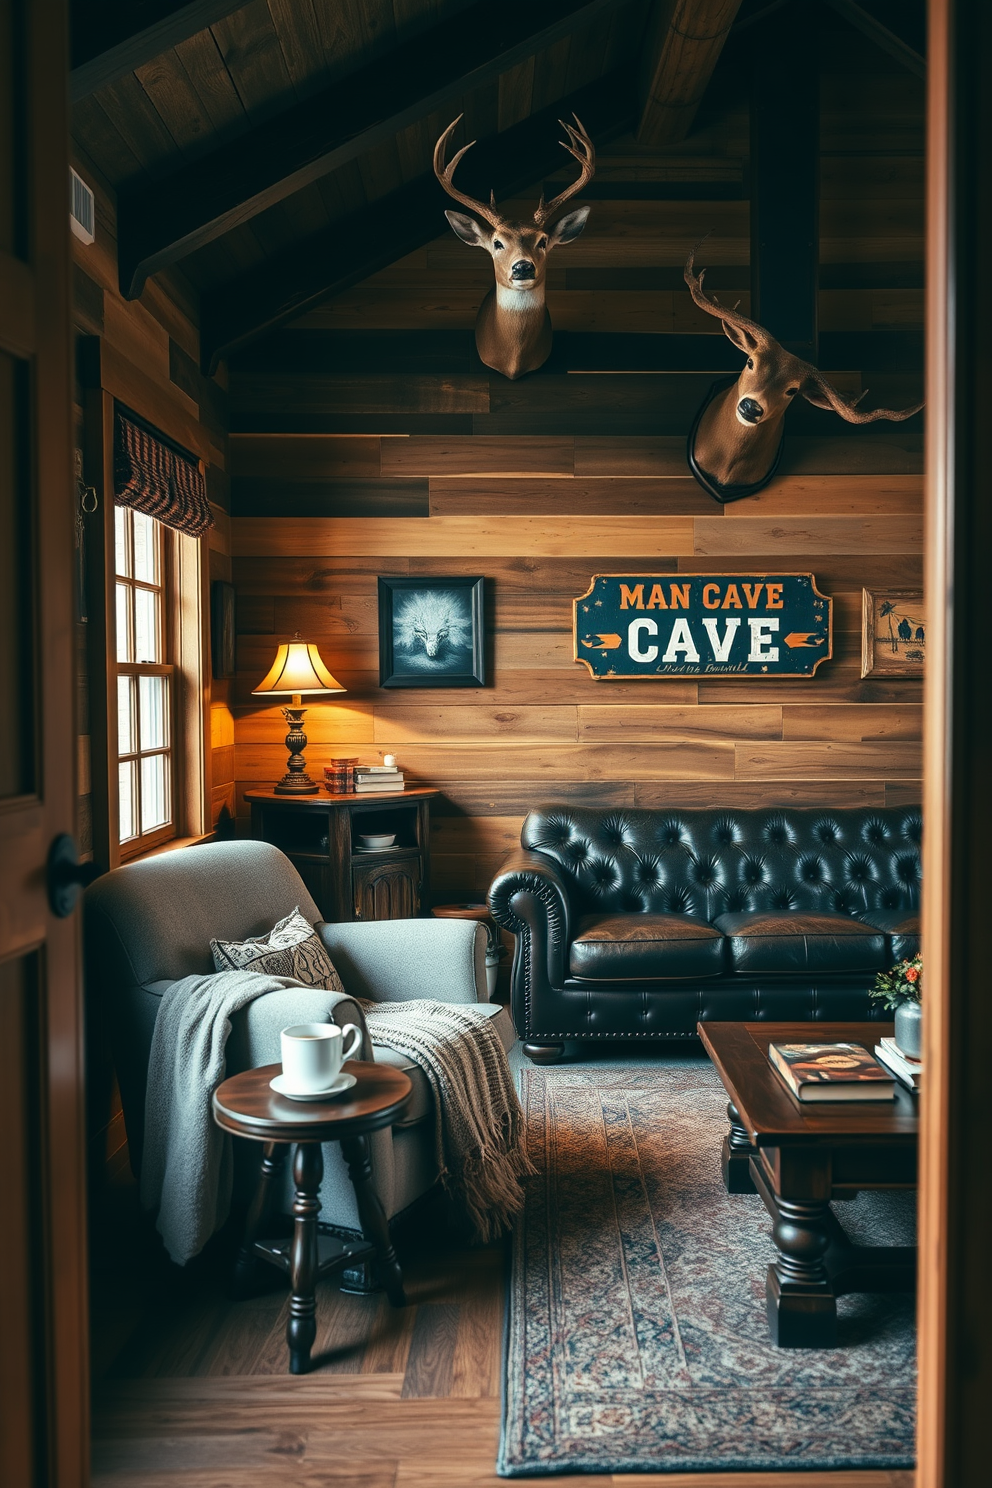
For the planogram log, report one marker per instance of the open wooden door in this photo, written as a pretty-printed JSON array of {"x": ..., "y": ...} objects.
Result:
[
  {"x": 955, "y": 1308},
  {"x": 43, "y": 1334}
]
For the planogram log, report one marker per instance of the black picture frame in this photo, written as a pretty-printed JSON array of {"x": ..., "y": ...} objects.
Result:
[
  {"x": 222, "y": 629},
  {"x": 404, "y": 652}
]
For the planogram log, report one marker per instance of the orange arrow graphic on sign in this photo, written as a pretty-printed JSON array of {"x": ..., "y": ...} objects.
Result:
[
  {"x": 804, "y": 638},
  {"x": 603, "y": 642}
]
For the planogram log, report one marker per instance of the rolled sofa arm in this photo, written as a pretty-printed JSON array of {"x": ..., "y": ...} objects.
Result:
[{"x": 530, "y": 898}]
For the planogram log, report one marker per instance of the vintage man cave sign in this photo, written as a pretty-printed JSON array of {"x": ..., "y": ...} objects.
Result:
[{"x": 703, "y": 625}]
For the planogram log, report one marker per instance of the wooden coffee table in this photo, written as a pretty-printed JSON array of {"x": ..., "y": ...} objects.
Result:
[
  {"x": 800, "y": 1158},
  {"x": 247, "y": 1106}
]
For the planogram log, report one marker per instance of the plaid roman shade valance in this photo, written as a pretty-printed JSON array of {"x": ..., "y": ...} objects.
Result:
[{"x": 155, "y": 477}]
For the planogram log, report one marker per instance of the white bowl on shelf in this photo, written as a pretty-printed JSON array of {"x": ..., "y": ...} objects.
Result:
[{"x": 377, "y": 839}]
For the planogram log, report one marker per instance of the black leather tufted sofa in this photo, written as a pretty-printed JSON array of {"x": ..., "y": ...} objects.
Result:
[{"x": 638, "y": 924}]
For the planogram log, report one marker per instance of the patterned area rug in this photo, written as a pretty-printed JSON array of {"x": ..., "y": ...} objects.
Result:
[{"x": 636, "y": 1331}]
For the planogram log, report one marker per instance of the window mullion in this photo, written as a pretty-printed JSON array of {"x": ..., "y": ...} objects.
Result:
[
  {"x": 135, "y": 717},
  {"x": 137, "y": 767},
  {"x": 132, "y": 629}
]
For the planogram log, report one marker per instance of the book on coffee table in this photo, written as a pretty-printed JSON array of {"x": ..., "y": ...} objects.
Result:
[
  {"x": 831, "y": 1072},
  {"x": 908, "y": 1071}
]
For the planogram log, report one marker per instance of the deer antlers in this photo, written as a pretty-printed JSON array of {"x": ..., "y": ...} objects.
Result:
[
  {"x": 579, "y": 145},
  {"x": 831, "y": 398},
  {"x": 582, "y": 149},
  {"x": 445, "y": 174},
  {"x": 712, "y": 305},
  {"x": 814, "y": 387}
]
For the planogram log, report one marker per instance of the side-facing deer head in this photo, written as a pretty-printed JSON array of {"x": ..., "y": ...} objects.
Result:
[
  {"x": 513, "y": 327},
  {"x": 735, "y": 443}
]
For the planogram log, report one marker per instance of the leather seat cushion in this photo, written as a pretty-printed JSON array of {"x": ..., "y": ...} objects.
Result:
[
  {"x": 902, "y": 926},
  {"x": 645, "y": 947},
  {"x": 789, "y": 941},
  {"x": 422, "y": 1099}
]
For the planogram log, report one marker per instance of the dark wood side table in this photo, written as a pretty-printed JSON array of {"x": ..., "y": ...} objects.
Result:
[
  {"x": 319, "y": 834},
  {"x": 246, "y": 1106},
  {"x": 801, "y": 1157}
]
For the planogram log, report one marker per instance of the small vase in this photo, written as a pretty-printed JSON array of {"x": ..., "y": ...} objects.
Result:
[{"x": 909, "y": 1029}]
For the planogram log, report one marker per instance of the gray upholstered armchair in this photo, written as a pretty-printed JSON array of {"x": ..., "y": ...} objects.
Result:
[{"x": 150, "y": 923}]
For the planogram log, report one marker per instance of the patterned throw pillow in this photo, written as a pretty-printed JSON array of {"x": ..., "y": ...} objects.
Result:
[{"x": 291, "y": 949}]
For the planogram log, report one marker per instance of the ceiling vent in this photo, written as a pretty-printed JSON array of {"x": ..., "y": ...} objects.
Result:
[{"x": 82, "y": 208}]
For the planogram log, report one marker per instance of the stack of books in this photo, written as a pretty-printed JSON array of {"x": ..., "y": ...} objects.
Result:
[
  {"x": 831, "y": 1072},
  {"x": 375, "y": 778},
  {"x": 907, "y": 1071}
]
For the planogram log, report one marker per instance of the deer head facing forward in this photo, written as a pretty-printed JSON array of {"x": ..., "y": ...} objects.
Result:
[
  {"x": 513, "y": 328},
  {"x": 739, "y": 433}
]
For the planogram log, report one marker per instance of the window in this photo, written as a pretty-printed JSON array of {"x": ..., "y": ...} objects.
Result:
[{"x": 146, "y": 702}]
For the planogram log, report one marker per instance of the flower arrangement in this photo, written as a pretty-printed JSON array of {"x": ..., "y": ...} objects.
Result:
[{"x": 904, "y": 983}]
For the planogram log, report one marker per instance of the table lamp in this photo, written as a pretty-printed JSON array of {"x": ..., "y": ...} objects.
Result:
[{"x": 297, "y": 669}]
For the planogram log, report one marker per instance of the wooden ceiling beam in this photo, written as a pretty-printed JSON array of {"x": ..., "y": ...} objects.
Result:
[
  {"x": 785, "y": 180},
  {"x": 110, "y": 40},
  {"x": 334, "y": 259},
  {"x": 162, "y": 221},
  {"x": 891, "y": 28},
  {"x": 688, "y": 37}
]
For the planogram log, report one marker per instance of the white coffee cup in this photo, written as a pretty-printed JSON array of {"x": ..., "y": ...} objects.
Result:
[{"x": 313, "y": 1053}]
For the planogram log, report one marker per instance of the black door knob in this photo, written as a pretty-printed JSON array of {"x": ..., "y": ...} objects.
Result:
[{"x": 67, "y": 875}]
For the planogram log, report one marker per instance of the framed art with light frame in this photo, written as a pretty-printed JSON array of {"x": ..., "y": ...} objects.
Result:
[{"x": 894, "y": 633}]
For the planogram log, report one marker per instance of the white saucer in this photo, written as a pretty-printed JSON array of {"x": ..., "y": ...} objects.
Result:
[{"x": 343, "y": 1082}]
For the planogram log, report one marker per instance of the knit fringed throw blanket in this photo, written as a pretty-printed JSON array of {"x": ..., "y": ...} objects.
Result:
[{"x": 478, "y": 1118}]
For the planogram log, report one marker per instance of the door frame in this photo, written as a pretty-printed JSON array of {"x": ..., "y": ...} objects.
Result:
[
  {"x": 955, "y": 1300},
  {"x": 36, "y": 329}
]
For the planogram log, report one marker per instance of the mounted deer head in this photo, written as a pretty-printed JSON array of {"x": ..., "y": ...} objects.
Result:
[
  {"x": 513, "y": 327},
  {"x": 736, "y": 440}
]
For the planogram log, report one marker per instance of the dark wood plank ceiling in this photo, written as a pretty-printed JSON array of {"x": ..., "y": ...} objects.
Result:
[
  {"x": 157, "y": 125},
  {"x": 166, "y": 220}
]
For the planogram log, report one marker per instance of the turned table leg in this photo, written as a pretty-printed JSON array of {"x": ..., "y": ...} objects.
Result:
[
  {"x": 801, "y": 1301},
  {"x": 301, "y": 1329},
  {"x": 736, "y": 1156},
  {"x": 357, "y": 1155},
  {"x": 273, "y": 1157}
]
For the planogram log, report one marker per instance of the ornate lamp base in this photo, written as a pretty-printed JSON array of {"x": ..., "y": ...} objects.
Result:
[{"x": 296, "y": 781}]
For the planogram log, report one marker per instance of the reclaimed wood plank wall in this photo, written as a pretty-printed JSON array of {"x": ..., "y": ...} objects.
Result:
[
  {"x": 151, "y": 348},
  {"x": 368, "y": 439}
]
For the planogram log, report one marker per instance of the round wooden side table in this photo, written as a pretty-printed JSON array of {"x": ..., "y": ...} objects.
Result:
[{"x": 246, "y": 1106}]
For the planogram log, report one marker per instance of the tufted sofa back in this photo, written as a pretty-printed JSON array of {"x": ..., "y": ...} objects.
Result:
[{"x": 708, "y": 863}]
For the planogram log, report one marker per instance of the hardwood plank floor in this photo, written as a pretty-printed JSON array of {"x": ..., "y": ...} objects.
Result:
[{"x": 191, "y": 1388}]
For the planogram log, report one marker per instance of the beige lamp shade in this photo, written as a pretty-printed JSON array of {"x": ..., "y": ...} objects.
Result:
[{"x": 298, "y": 669}]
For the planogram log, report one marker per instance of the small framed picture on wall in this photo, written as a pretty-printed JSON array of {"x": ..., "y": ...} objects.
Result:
[
  {"x": 222, "y": 632},
  {"x": 894, "y": 633},
  {"x": 431, "y": 631}
]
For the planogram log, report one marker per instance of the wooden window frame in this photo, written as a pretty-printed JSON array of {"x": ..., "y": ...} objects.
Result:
[
  {"x": 187, "y": 641},
  {"x": 142, "y": 842}
]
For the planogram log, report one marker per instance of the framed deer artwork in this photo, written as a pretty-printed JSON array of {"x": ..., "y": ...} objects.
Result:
[
  {"x": 431, "y": 631},
  {"x": 894, "y": 633}
]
